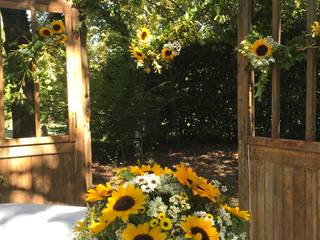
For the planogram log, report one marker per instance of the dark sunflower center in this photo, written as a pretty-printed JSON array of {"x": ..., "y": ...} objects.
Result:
[
  {"x": 143, "y": 35},
  {"x": 46, "y": 32},
  {"x": 124, "y": 203},
  {"x": 196, "y": 230},
  {"x": 168, "y": 53},
  {"x": 262, "y": 50},
  {"x": 143, "y": 237},
  {"x": 165, "y": 224},
  {"x": 139, "y": 54},
  {"x": 56, "y": 27}
]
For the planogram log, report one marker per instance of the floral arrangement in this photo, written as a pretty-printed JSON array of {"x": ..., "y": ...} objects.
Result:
[
  {"x": 262, "y": 53},
  {"x": 155, "y": 203},
  {"x": 55, "y": 31},
  {"x": 150, "y": 54}
]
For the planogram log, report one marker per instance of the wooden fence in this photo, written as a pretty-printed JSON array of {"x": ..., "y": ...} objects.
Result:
[
  {"x": 57, "y": 168},
  {"x": 279, "y": 179}
]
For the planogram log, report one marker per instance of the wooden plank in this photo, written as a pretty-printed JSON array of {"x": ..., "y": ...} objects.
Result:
[
  {"x": 278, "y": 202},
  {"x": 33, "y": 141},
  {"x": 269, "y": 196},
  {"x": 253, "y": 198},
  {"x": 14, "y": 152},
  {"x": 45, "y": 6},
  {"x": 299, "y": 203},
  {"x": 318, "y": 200},
  {"x": 276, "y": 33},
  {"x": 311, "y": 205},
  {"x": 286, "y": 157},
  {"x": 4, "y": 188},
  {"x": 288, "y": 211},
  {"x": 69, "y": 179},
  {"x": 38, "y": 196},
  {"x": 2, "y": 121},
  {"x": 244, "y": 27},
  {"x": 20, "y": 180},
  {"x": 297, "y": 145},
  {"x": 261, "y": 200},
  {"x": 311, "y": 77}
]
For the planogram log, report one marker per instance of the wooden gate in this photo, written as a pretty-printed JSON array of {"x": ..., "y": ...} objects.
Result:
[
  {"x": 279, "y": 179},
  {"x": 56, "y": 168}
]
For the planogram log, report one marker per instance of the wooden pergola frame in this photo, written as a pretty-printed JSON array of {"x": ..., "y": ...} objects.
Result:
[
  {"x": 279, "y": 179},
  {"x": 61, "y": 162}
]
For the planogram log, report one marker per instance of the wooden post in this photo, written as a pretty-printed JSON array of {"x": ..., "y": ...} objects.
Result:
[
  {"x": 311, "y": 77},
  {"x": 2, "y": 121},
  {"x": 276, "y": 33},
  {"x": 244, "y": 78},
  {"x": 36, "y": 82}
]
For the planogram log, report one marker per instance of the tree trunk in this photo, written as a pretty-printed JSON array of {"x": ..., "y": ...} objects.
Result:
[{"x": 17, "y": 31}]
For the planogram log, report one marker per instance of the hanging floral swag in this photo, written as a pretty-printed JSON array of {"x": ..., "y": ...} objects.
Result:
[
  {"x": 263, "y": 53},
  {"x": 149, "y": 202},
  {"x": 150, "y": 53}
]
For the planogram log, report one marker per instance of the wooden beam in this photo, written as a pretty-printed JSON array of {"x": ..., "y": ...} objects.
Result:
[
  {"x": 2, "y": 120},
  {"x": 57, "y": 6},
  {"x": 244, "y": 27},
  {"x": 311, "y": 77},
  {"x": 276, "y": 33},
  {"x": 34, "y": 141}
]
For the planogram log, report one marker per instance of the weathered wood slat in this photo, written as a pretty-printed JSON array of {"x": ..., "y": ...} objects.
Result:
[
  {"x": 45, "y": 149},
  {"x": 56, "y": 6},
  {"x": 299, "y": 203},
  {"x": 5, "y": 172},
  {"x": 276, "y": 33},
  {"x": 244, "y": 27},
  {"x": 269, "y": 196},
  {"x": 311, "y": 205},
  {"x": 311, "y": 77},
  {"x": 297, "y": 145},
  {"x": 253, "y": 198},
  {"x": 288, "y": 210},
  {"x": 33, "y": 141},
  {"x": 278, "y": 202},
  {"x": 2, "y": 121},
  {"x": 70, "y": 190},
  {"x": 38, "y": 195},
  {"x": 261, "y": 227}
]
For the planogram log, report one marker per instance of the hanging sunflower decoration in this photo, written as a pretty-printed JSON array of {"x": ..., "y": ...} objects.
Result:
[
  {"x": 156, "y": 203},
  {"x": 57, "y": 27},
  {"x": 150, "y": 53},
  {"x": 45, "y": 32},
  {"x": 263, "y": 53}
]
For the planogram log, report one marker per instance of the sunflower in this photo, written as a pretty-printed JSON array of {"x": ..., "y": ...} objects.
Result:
[
  {"x": 57, "y": 27},
  {"x": 245, "y": 215},
  {"x": 142, "y": 232},
  {"x": 127, "y": 200},
  {"x": 186, "y": 176},
  {"x": 200, "y": 229},
  {"x": 148, "y": 169},
  {"x": 261, "y": 48},
  {"x": 205, "y": 189},
  {"x": 167, "y": 54},
  {"x": 165, "y": 224},
  {"x": 62, "y": 38},
  {"x": 154, "y": 222},
  {"x": 144, "y": 34},
  {"x": 80, "y": 225},
  {"x": 99, "y": 193},
  {"x": 97, "y": 227},
  {"x": 45, "y": 32},
  {"x": 137, "y": 54}
]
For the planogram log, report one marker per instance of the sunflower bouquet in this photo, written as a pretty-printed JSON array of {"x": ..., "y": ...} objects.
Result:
[
  {"x": 150, "y": 53},
  {"x": 54, "y": 32},
  {"x": 155, "y": 203}
]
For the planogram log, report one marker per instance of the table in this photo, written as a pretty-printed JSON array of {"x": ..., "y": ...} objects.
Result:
[{"x": 38, "y": 222}]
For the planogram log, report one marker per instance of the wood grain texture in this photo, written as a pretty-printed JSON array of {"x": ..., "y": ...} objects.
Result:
[
  {"x": 261, "y": 193},
  {"x": 299, "y": 203},
  {"x": 311, "y": 77},
  {"x": 278, "y": 202},
  {"x": 311, "y": 205},
  {"x": 276, "y": 33},
  {"x": 269, "y": 198},
  {"x": 54, "y": 6}
]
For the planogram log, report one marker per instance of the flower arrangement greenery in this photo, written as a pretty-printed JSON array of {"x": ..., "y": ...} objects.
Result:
[
  {"x": 263, "y": 53},
  {"x": 150, "y": 53},
  {"x": 155, "y": 203}
]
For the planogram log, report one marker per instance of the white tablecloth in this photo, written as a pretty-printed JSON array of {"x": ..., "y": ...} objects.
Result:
[{"x": 38, "y": 222}]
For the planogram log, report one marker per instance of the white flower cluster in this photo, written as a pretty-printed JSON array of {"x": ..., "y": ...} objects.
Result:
[
  {"x": 156, "y": 206},
  {"x": 175, "y": 47},
  {"x": 178, "y": 205},
  {"x": 147, "y": 182}
]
